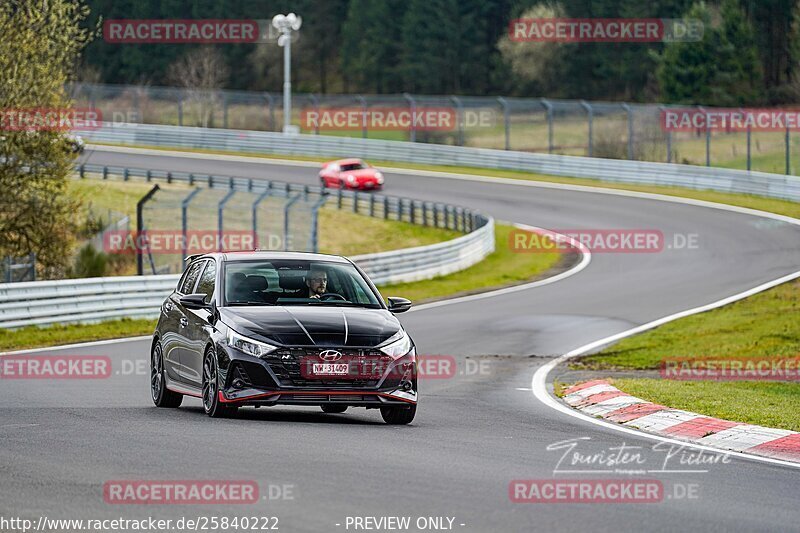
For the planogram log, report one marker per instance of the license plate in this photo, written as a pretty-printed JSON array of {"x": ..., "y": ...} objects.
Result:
[{"x": 330, "y": 369}]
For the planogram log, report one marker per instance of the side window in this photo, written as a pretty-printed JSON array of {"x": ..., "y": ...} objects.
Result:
[
  {"x": 187, "y": 283},
  {"x": 206, "y": 284}
]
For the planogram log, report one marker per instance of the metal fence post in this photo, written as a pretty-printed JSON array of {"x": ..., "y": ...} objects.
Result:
[
  {"x": 788, "y": 157},
  {"x": 628, "y": 110},
  {"x": 254, "y": 213},
  {"x": 412, "y": 215},
  {"x": 663, "y": 111},
  {"x": 185, "y": 224},
  {"x": 364, "y": 111},
  {"x": 224, "y": 109},
  {"x": 180, "y": 110},
  {"x": 749, "y": 138},
  {"x": 506, "y": 121},
  {"x": 220, "y": 211},
  {"x": 589, "y": 114},
  {"x": 386, "y": 207},
  {"x": 708, "y": 136},
  {"x": 315, "y": 102},
  {"x": 140, "y": 231},
  {"x": 372, "y": 205},
  {"x": 424, "y": 213},
  {"x": 286, "y": 209},
  {"x": 459, "y": 118},
  {"x": 412, "y": 105},
  {"x": 355, "y": 201},
  {"x": 549, "y": 107},
  {"x": 271, "y": 111},
  {"x": 315, "y": 222},
  {"x": 33, "y": 266}
]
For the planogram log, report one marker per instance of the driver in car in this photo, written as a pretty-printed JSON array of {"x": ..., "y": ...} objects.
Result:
[{"x": 317, "y": 282}]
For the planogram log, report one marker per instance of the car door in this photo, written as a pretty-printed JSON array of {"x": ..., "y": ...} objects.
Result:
[
  {"x": 172, "y": 329},
  {"x": 198, "y": 329},
  {"x": 180, "y": 334}
]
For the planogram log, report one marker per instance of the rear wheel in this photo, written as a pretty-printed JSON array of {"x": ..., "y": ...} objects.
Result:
[
  {"x": 398, "y": 415},
  {"x": 335, "y": 409},
  {"x": 211, "y": 404},
  {"x": 162, "y": 396}
]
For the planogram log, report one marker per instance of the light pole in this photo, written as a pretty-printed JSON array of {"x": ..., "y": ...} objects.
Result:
[{"x": 286, "y": 24}]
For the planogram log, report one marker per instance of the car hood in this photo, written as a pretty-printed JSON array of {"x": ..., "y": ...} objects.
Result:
[{"x": 312, "y": 325}]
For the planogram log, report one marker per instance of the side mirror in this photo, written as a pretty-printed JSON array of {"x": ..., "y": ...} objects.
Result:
[
  {"x": 195, "y": 302},
  {"x": 398, "y": 305}
]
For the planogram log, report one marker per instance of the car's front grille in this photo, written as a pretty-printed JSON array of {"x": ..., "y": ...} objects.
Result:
[{"x": 365, "y": 367}]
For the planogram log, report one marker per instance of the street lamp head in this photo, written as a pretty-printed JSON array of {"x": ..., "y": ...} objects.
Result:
[
  {"x": 278, "y": 21},
  {"x": 283, "y": 39},
  {"x": 294, "y": 21}
]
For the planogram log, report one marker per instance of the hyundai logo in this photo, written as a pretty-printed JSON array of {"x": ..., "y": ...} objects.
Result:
[{"x": 330, "y": 355}]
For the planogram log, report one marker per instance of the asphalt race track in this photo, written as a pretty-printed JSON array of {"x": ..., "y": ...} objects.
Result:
[{"x": 474, "y": 433}]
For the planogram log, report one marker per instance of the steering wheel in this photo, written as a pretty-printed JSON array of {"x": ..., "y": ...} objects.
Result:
[{"x": 332, "y": 295}]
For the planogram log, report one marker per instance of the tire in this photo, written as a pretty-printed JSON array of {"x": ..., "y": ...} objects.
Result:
[
  {"x": 161, "y": 396},
  {"x": 334, "y": 409},
  {"x": 398, "y": 415},
  {"x": 211, "y": 404}
]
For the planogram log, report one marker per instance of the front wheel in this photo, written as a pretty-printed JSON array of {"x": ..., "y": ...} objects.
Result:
[
  {"x": 211, "y": 404},
  {"x": 161, "y": 396},
  {"x": 398, "y": 415}
]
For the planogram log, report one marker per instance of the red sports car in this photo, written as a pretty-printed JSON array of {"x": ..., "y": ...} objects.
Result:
[{"x": 350, "y": 174}]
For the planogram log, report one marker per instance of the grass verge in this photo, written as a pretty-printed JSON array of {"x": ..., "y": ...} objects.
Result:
[
  {"x": 499, "y": 269},
  {"x": 763, "y": 326},
  {"x": 764, "y": 404}
]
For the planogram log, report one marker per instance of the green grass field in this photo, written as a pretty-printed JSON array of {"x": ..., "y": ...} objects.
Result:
[{"x": 763, "y": 326}]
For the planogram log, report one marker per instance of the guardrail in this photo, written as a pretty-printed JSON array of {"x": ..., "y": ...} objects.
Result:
[
  {"x": 96, "y": 299},
  {"x": 667, "y": 174}
]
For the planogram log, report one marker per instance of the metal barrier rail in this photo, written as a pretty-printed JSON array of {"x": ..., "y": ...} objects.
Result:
[
  {"x": 96, "y": 299},
  {"x": 666, "y": 174}
]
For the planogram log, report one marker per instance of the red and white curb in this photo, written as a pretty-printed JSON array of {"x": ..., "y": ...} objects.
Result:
[{"x": 601, "y": 399}]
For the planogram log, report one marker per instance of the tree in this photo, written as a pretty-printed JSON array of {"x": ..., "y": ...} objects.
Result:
[
  {"x": 534, "y": 64},
  {"x": 40, "y": 48},
  {"x": 201, "y": 71},
  {"x": 722, "y": 69},
  {"x": 739, "y": 78}
]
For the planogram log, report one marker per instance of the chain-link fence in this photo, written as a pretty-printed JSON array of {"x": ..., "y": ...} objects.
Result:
[
  {"x": 16, "y": 269},
  {"x": 615, "y": 130}
]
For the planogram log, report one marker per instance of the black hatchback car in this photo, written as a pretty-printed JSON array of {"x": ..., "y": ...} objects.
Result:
[{"x": 289, "y": 328}]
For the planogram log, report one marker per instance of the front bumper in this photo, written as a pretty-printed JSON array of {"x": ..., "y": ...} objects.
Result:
[{"x": 279, "y": 379}]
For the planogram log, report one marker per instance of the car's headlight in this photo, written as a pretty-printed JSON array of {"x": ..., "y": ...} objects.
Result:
[
  {"x": 249, "y": 346},
  {"x": 351, "y": 179},
  {"x": 397, "y": 345},
  {"x": 379, "y": 177}
]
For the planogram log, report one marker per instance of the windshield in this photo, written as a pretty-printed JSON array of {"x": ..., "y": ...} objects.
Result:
[
  {"x": 353, "y": 166},
  {"x": 279, "y": 282}
]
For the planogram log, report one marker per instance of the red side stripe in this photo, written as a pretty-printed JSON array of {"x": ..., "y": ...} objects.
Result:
[{"x": 787, "y": 448}]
